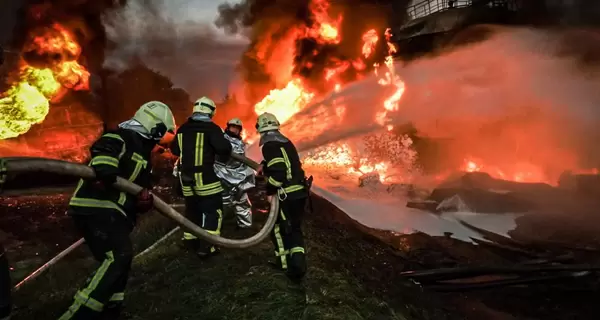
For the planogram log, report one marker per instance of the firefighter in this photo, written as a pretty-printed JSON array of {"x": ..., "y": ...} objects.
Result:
[
  {"x": 285, "y": 179},
  {"x": 198, "y": 141},
  {"x": 236, "y": 177},
  {"x": 107, "y": 216}
]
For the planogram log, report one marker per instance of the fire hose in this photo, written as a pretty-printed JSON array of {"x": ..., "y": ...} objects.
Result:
[{"x": 15, "y": 166}]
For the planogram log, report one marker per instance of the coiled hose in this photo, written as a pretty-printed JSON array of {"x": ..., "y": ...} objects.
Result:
[{"x": 14, "y": 166}]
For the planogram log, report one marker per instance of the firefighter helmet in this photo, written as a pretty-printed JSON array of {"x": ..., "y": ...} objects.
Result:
[
  {"x": 266, "y": 122},
  {"x": 205, "y": 105},
  {"x": 156, "y": 117},
  {"x": 235, "y": 122}
]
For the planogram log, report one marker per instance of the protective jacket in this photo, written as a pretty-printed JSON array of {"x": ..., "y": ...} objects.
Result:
[
  {"x": 123, "y": 153},
  {"x": 197, "y": 144},
  {"x": 232, "y": 171},
  {"x": 282, "y": 166},
  {"x": 236, "y": 179}
]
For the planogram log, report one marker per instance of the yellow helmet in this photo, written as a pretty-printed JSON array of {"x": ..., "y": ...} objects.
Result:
[
  {"x": 235, "y": 122},
  {"x": 205, "y": 105},
  {"x": 156, "y": 117},
  {"x": 266, "y": 122}
]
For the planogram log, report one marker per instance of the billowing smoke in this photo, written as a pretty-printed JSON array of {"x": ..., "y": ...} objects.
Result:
[
  {"x": 175, "y": 43},
  {"x": 279, "y": 40}
]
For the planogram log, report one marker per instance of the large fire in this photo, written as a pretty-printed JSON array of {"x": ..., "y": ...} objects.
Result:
[
  {"x": 27, "y": 101},
  {"x": 296, "y": 96}
]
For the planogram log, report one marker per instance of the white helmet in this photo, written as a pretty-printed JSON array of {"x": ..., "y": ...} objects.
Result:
[
  {"x": 235, "y": 122},
  {"x": 267, "y": 122},
  {"x": 205, "y": 105},
  {"x": 156, "y": 117}
]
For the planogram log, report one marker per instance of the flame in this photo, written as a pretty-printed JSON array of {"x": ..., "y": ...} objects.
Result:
[
  {"x": 370, "y": 39},
  {"x": 326, "y": 28},
  {"x": 284, "y": 103},
  {"x": 27, "y": 101},
  {"x": 519, "y": 172},
  {"x": 342, "y": 155}
]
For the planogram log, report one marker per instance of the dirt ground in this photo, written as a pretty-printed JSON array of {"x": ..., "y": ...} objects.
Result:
[{"x": 354, "y": 273}]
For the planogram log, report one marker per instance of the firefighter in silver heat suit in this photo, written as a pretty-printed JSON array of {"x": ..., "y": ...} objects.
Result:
[{"x": 236, "y": 177}]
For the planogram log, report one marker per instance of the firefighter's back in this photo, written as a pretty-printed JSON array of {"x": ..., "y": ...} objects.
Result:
[
  {"x": 199, "y": 143},
  {"x": 120, "y": 153}
]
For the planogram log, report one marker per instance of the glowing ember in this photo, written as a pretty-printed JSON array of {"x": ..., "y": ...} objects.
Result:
[{"x": 27, "y": 101}]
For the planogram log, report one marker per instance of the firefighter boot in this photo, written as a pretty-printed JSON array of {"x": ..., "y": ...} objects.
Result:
[
  {"x": 296, "y": 266},
  {"x": 205, "y": 250}
]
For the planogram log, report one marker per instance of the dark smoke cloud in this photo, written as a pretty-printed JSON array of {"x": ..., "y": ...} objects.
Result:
[
  {"x": 191, "y": 53},
  {"x": 268, "y": 23}
]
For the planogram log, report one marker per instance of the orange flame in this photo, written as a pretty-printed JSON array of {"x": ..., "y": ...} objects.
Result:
[
  {"x": 27, "y": 101},
  {"x": 284, "y": 103}
]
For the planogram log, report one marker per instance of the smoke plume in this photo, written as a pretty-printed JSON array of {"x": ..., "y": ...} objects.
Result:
[
  {"x": 279, "y": 41},
  {"x": 190, "y": 52}
]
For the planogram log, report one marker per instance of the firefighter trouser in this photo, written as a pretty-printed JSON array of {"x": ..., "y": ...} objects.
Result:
[
  {"x": 5, "y": 286},
  {"x": 107, "y": 236},
  {"x": 238, "y": 201},
  {"x": 207, "y": 213},
  {"x": 288, "y": 238}
]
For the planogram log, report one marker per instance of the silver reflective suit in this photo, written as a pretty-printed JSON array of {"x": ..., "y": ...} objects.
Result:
[{"x": 236, "y": 179}]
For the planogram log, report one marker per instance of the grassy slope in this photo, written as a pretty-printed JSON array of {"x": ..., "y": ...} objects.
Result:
[{"x": 350, "y": 277}]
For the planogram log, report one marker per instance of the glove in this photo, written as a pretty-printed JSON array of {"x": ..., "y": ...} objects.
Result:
[{"x": 145, "y": 201}]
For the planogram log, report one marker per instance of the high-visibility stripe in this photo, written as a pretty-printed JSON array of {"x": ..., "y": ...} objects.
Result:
[
  {"x": 116, "y": 137},
  {"x": 282, "y": 214},
  {"x": 113, "y": 136},
  {"x": 71, "y": 311},
  {"x": 198, "y": 179},
  {"x": 199, "y": 156},
  {"x": 275, "y": 161},
  {"x": 296, "y": 250},
  {"x": 208, "y": 186},
  {"x": 274, "y": 182},
  {"x": 122, "y": 198},
  {"x": 140, "y": 163},
  {"x": 89, "y": 302},
  {"x": 82, "y": 297},
  {"x": 95, "y": 203},
  {"x": 180, "y": 143},
  {"x": 292, "y": 188},
  {"x": 287, "y": 164},
  {"x": 281, "y": 252},
  {"x": 219, "y": 224},
  {"x": 189, "y": 236},
  {"x": 117, "y": 297},
  {"x": 105, "y": 160}
]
